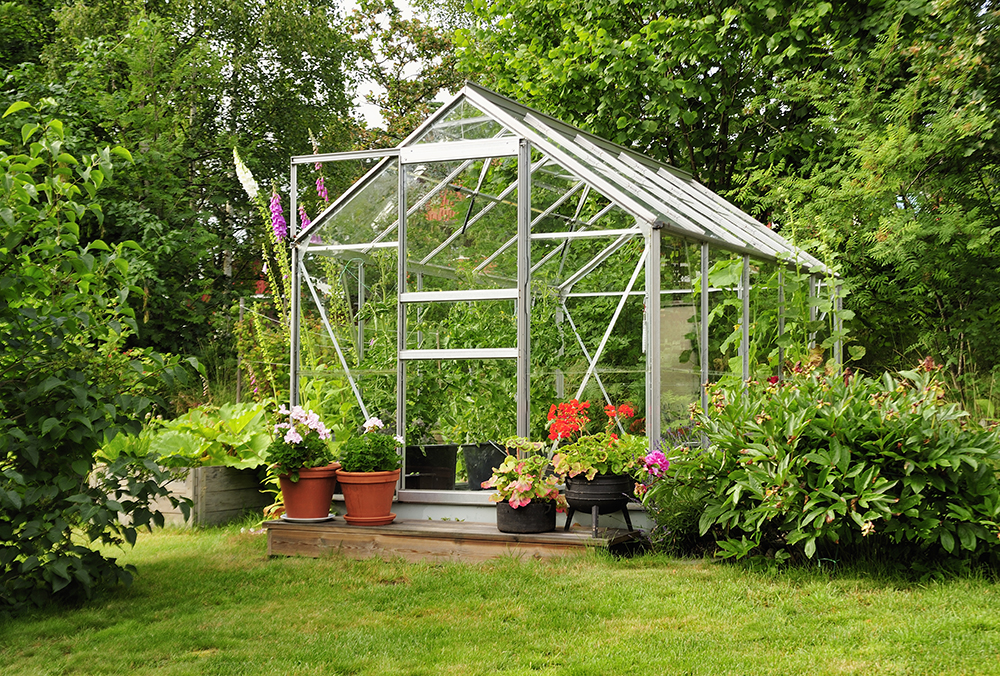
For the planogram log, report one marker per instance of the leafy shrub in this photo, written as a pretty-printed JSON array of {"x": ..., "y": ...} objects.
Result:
[
  {"x": 63, "y": 313},
  {"x": 234, "y": 435},
  {"x": 822, "y": 461}
]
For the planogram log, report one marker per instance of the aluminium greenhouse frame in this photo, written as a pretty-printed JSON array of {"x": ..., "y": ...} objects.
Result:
[{"x": 480, "y": 125}]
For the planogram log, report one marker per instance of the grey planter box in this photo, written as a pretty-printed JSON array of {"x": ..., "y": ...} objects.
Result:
[{"x": 218, "y": 494}]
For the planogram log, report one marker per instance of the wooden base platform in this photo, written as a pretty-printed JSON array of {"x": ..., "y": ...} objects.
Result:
[{"x": 431, "y": 540}]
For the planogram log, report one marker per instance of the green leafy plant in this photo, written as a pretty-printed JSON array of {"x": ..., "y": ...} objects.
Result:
[
  {"x": 525, "y": 476},
  {"x": 63, "y": 307},
  {"x": 372, "y": 451},
  {"x": 825, "y": 460},
  {"x": 234, "y": 435},
  {"x": 591, "y": 454},
  {"x": 302, "y": 442}
]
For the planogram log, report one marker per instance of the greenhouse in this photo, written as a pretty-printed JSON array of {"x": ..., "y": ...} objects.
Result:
[{"x": 499, "y": 261}]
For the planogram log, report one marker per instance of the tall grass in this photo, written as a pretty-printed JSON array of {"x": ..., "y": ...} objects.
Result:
[{"x": 211, "y": 602}]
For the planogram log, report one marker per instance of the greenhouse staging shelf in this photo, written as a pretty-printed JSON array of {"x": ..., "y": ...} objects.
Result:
[{"x": 435, "y": 540}]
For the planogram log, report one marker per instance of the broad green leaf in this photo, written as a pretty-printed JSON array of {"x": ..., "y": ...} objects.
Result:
[{"x": 16, "y": 106}]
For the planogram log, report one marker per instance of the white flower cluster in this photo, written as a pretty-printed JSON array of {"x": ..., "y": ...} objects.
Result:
[
  {"x": 374, "y": 424},
  {"x": 246, "y": 178},
  {"x": 300, "y": 422}
]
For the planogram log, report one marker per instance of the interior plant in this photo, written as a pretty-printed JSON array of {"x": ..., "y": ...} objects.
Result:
[
  {"x": 301, "y": 457},
  {"x": 368, "y": 475},
  {"x": 527, "y": 492}
]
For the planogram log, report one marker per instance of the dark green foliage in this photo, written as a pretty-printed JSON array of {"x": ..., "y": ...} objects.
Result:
[
  {"x": 64, "y": 387},
  {"x": 902, "y": 184},
  {"x": 820, "y": 463},
  {"x": 370, "y": 452}
]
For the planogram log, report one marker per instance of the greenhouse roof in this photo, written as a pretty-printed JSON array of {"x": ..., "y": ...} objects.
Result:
[{"x": 479, "y": 121}]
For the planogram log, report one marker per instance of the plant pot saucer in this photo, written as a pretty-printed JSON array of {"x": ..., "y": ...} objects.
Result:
[
  {"x": 370, "y": 520},
  {"x": 315, "y": 520}
]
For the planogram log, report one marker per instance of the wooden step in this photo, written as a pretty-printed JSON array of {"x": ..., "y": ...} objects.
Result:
[{"x": 432, "y": 540}]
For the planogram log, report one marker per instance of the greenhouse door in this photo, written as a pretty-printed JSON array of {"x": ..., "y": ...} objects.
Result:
[{"x": 462, "y": 318}]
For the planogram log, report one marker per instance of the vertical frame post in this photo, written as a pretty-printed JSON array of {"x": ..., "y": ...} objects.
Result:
[
  {"x": 361, "y": 304},
  {"x": 524, "y": 288},
  {"x": 813, "y": 290},
  {"x": 781, "y": 321},
  {"x": 745, "y": 318},
  {"x": 703, "y": 333},
  {"x": 294, "y": 308},
  {"x": 652, "y": 319},
  {"x": 838, "y": 324},
  {"x": 401, "y": 309}
]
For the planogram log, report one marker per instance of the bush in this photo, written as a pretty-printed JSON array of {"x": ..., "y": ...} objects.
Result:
[
  {"x": 822, "y": 461},
  {"x": 65, "y": 389}
]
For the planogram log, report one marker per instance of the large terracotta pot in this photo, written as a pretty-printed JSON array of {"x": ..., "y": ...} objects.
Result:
[
  {"x": 309, "y": 497},
  {"x": 368, "y": 496}
]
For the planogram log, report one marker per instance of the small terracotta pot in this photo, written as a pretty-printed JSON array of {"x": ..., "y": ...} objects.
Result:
[
  {"x": 368, "y": 496},
  {"x": 311, "y": 496}
]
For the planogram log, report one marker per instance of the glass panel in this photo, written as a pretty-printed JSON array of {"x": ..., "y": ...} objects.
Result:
[
  {"x": 358, "y": 296},
  {"x": 368, "y": 212},
  {"x": 724, "y": 313},
  {"x": 764, "y": 320},
  {"x": 453, "y": 404},
  {"x": 461, "y": 325},
  {"x": 680, "y": 368},
  {"x": 461, "y": 225},
  {"x": 559, "y": 364},
  {"x": 463, "y": 122}
]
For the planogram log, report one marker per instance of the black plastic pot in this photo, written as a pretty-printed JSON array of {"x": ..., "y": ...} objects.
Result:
[
  {"x": 431, "y": 467},
  {"x": 608, "y": 492},
  {"x": 537, "y": 516},
  {"x": 480, "y": 461}
]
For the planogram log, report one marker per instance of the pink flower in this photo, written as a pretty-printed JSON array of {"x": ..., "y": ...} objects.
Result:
[
  {"x": 293, "y": 437},
  {"x": 278, "y": 223}
]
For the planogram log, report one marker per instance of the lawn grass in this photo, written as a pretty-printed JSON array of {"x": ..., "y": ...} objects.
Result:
[{"x": 210, "y": 602}]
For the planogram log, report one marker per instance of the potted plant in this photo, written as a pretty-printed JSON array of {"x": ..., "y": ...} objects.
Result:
[
  {"x": 527, "y": 492},
  {"x": 301, "y": 457},
  {"x": 368, "y": 475},
  {"x": 597, "y": 468}
]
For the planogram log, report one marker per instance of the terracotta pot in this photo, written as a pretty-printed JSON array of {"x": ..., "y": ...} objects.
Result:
[
  {"x": 368, "y": 496},
  {"x": 311, "y": 496}
]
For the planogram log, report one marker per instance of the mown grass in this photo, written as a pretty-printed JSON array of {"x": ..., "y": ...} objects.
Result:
[{"x": 210, "y": 602}]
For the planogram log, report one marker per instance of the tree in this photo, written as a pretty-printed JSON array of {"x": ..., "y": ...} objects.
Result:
[
  {"x": 907, "y": 192},
  {"x": 182, "y": 83},
  {"x": 409, "y": 60},
  {"x": 65, "y": 387},
  {"x": 703, "y": 86}
]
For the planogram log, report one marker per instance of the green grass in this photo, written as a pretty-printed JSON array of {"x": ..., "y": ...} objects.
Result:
[{"x": 210, "y": 602}]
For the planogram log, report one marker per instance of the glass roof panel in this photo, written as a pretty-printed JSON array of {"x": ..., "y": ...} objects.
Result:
[
  {"x": 463, "y": 122},
  {"x": 366, "y": 213}
]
